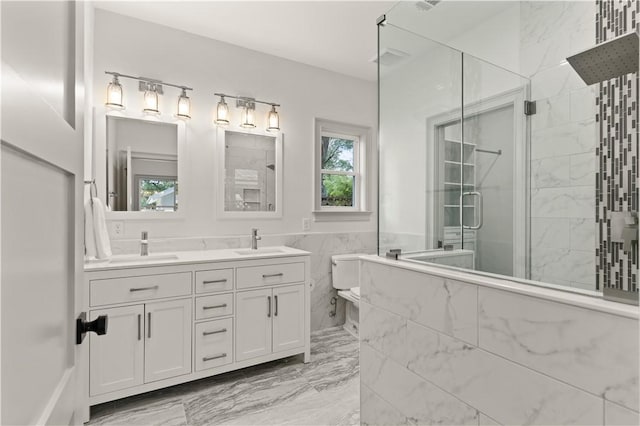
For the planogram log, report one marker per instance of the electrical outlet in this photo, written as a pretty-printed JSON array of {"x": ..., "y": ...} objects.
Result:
[
  {"x": 117, "y": 227},
  {"x": 306, "y": 225}
]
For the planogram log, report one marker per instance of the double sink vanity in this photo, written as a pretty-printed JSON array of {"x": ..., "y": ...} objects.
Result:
[{"x": 177, "y": 317}]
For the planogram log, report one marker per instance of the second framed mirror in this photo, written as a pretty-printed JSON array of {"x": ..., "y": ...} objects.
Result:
[{"x": 250, "y": 174}]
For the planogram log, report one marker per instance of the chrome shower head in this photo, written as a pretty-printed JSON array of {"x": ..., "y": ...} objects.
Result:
[{"x": 607, "y": 60}]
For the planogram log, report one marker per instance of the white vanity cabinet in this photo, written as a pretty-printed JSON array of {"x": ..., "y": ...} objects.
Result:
[{"x": 203, "y": 314}]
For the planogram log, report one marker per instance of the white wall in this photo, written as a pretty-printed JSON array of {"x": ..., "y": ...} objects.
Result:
[{"x": 136, "y": 47}]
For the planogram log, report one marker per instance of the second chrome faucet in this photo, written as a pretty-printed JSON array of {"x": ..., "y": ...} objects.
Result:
[
  {"x": 254, "y": 238},
  {"x": 144, "y": 244}
]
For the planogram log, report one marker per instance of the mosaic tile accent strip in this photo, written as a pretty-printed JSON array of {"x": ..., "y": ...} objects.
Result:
[{"x": 617, "y": 177}]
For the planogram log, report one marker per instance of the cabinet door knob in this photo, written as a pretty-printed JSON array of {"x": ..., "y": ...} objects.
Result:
[
  {"x": 268, "y": 306},
  {"x": 275, "y": 298},
  {"x": 149, "y": 321}
]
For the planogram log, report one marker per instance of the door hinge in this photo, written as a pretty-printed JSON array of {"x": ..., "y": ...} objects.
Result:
[{"x": 529, "y": 107}]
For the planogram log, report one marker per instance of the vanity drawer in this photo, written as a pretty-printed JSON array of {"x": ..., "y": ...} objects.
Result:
[
  {"x": 131, "y": 289},
  {"x": 213, "y": 343},
  {"x": 214, "y": 281},
  {"x": 218, "y": 305},
  {"x": 255, "y": 276}
]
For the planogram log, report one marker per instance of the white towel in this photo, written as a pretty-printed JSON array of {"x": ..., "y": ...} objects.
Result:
[{"x": 96, "y": 237}]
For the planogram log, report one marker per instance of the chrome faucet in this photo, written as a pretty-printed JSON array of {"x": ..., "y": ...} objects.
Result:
[
  {"x": 144, "y": 244},
  {"x": 254, "y": 238}
]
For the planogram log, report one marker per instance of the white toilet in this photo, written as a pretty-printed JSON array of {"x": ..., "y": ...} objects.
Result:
[{"x": 345, "y": 276}]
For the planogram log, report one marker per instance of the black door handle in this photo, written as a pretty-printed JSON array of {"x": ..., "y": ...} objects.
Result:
[{"x": 98, "y": 326}]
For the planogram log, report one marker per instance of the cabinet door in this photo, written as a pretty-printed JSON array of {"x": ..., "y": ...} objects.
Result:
[
  {"x": 116, "y": 357},
  {"x": 253, "y": 323},
  {"x": 288, "y": 317},
  {"x": 167, "y": 339}
]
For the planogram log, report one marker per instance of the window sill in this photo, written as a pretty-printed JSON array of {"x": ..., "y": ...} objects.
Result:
[{"x": 340, "y": 215}]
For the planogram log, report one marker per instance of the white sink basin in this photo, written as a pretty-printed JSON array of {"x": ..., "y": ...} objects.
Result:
[
  {"x": 263, "y": 250},
  {"x": 137, "y": 258}
]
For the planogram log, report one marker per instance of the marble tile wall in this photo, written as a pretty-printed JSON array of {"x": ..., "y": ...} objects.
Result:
[
  {"x": 617, "y": 118},
  {"x": 321, "y": 245},
  {"x": 438, "y": 351},
  {"x": 563, "y": 142}
]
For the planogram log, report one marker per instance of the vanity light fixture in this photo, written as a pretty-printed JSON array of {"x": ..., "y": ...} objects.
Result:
[
  {"x": 151, "y": 99},
  {"x": 152, "y": 88},
  {"x": 114, "y": 94},
  {"x": 222, "y": 113},
  {"x": 273, "y": 120},
  {"x": 248, "y": 114},
  {"x": 184, "y": 105}
]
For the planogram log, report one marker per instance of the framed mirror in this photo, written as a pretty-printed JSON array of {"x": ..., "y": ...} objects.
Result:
[
  {"x": 250, "y": 174},
  {"x": 138, "y": 171}
]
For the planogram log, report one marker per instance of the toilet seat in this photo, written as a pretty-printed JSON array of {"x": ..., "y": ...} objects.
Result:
[
  {"x": 351, "y": 296},
  {"x": 355, "y": 291}
]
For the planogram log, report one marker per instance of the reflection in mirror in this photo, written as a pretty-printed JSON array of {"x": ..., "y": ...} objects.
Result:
[
  {"x": 142, "y": 165},
  {"x": 250, "y": 172}
]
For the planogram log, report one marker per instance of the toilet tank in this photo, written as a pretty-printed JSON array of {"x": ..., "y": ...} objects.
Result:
[{"x": 345, "y": 270}]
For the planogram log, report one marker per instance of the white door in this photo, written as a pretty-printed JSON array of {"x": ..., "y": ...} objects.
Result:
[
  {"x": 253, "y": 323},
  {"x": 116, "y": 359},
  {"x": 167, "y": 350},
  {"x": 41, "y": 225},
  {"x": 288, "y": 317}
]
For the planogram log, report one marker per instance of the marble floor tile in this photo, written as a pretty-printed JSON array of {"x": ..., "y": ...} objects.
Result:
[
  {"x": 170, "y": 413},
  {"x": 322, "y": 392}
]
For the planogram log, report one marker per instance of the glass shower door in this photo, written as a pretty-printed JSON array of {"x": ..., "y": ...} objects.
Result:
[{"x": 494, "y": 156}]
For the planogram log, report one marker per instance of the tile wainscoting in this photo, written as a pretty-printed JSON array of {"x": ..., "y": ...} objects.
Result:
[
  {"x": 321, "y": 245},
  {"x": 442, "y": 347}
]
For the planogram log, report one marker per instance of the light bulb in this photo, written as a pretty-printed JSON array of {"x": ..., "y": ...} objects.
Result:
[
  {"x": 248, "y": 118},
  {"x": 114, "y": 94},
  {"x": 151, "y": 100},
  {"x": 184, "y": 106},
  {"x": 222, "y": 113},
  {"x": 273, "y": 120}
]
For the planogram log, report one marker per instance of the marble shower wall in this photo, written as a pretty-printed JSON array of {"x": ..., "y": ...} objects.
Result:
[
  {"x": 564, "y": 138},
  {"x": 321, "y": 245},
  {"x": 441, "y": 351},
  {"x": 617, "y": 118}
]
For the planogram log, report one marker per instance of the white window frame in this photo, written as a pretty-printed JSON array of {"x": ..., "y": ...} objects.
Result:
[{"x": 361, "y": 163}]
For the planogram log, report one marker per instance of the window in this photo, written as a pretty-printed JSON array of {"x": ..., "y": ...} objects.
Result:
[
  {"x": 157, "y": 193},
  {"x": 341, "y": 165}
]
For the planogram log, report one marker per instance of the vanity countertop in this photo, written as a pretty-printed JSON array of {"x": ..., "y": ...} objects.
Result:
[{"x": 196, "y": 256}]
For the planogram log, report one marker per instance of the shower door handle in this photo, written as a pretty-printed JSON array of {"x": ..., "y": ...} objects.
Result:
[{"x": 480, "y": 210}]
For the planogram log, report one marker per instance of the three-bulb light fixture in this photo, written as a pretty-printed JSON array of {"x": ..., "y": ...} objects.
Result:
[
  {"x": 151, "y": 89},
  {"x": 248, "y": 113}
]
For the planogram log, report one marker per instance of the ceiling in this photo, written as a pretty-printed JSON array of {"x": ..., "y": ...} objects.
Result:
[{"x": 340, "y": 36}]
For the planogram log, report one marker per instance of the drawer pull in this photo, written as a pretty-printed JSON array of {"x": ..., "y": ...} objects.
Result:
[
  {"x": 207, "y": 333},
  {"x": 279, "y": 274},
  {"x": 155, "y": 287},
  {"x": 209, "y": 358},
  {"x": 224, "y": 280},
  {"x": 222, "y": 305}
]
